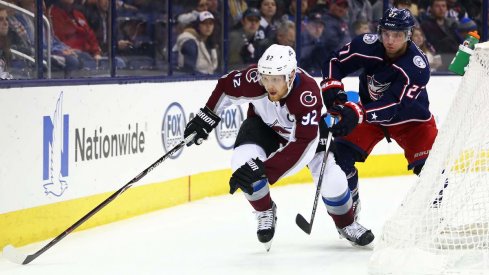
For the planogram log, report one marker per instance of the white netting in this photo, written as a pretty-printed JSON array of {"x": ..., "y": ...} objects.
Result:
[{"x": 442, "y": 226}]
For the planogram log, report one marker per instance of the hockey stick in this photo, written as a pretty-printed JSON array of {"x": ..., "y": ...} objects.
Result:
[
  {"x": 13, "y": 255},
  {"x": 299, "y": 219}
]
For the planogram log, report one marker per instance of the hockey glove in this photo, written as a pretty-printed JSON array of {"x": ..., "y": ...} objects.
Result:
[
  {"x": 333, "y": 92},
  {"x": 243, "y": 178},
  {"x": 202, "y": 124},
  {"x": 349, "y": 115}
]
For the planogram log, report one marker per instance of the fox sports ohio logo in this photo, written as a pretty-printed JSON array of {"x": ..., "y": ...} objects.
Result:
[
  {"x": 172, "y": 127},
  {"x": 227, "y": 130}
]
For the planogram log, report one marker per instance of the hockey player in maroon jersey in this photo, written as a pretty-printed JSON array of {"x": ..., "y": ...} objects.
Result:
[
  {"x": 279, "y": 137},
  {"x": 393, "y": 98}
]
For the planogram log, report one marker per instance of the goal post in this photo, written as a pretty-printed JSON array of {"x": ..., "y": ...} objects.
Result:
[{"x": 442, "y": 225}]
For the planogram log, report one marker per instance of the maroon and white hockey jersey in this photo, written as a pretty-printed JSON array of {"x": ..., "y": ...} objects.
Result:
[{"x": 295, "y": 117}]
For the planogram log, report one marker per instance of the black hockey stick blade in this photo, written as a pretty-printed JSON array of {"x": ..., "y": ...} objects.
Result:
[{"x": 303, "y": 224}]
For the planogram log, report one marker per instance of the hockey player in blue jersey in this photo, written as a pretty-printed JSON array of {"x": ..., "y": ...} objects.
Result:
[{"x": 393, "y": 98}]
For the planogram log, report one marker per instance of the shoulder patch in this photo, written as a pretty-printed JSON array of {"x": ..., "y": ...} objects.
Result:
[
  {"x": 308, "y": 99},
  {"x": 419, "y": 62},
  {"x": 252, "y": 75},
  {"x": 370, "y": 38}
]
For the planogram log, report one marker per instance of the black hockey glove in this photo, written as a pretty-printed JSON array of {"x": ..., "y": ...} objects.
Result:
[
  {"x": 243, "y": 178},
  {"x": 202, "y": 124},
  {"x": 333, "y": 92},
  {"x": 349, "y": 115}
]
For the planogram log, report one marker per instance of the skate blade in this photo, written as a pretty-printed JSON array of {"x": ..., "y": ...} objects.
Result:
[
  {"x": 369, "y": 246},
  {"x": 268, "y": 245}
]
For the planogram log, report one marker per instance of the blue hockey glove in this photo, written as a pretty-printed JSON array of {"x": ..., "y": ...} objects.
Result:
[
  {"x": 202, "y": 124},
  {"x": 333, "y": 92},
  {"x": 244, "y": 177},
  {"x": 349, "y": 116}
]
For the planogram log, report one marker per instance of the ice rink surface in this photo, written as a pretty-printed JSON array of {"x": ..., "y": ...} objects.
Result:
[{"x": 218, "y": 236}]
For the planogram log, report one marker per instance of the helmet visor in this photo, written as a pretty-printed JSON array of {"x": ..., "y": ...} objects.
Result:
[
  {"x": 273, "y": 80},
  {"x": 393, "y": 35}
]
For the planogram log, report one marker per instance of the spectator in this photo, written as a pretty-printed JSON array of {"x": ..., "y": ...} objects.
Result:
[
  {"x": 5, "y": 54},
  {"x": 465, "y": 26},
  {"x": 188, "y": 18},
  {"x": 456, "y": 10},
  {"x": 313, "y": 40},
  {"x": 361, "y": 27},
  {"x": 196, "y": 52},
  {"x": 409, "y": 5},
  {"x": 245, "y": 38},
  {"x": 237, "y": 8},
  {"x": 358, "y": 10},
  {"x": 419, "y": 39},
  {"x": 441, "y": 31},
  {"x": 337, "y": 30},
  {"x": 214, "y": 7},
  {"x": 71, "y": 27},
  {"x": 292, "y": 11},
  {"x": 62, "y": 56},
  {"x": 378, "y": 10},
  {"x": 97, "y": 14},
  {"x": 285, "y": 36},
  {"x": 268, "y": 22},
  {"x": 17, "y": 34},
  {"x": 403, "y": 4}
]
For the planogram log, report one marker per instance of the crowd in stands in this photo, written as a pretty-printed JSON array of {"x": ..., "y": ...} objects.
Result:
[{"x": 80, "y": 32}]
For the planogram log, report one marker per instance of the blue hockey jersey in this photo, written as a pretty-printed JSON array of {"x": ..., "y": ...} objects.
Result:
[{"x": 391, "y": 92}]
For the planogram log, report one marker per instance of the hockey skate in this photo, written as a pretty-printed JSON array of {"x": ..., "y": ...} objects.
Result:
[
  {"x": 357, "y": 206},
  {"x": 356, "y": 234},
  {"x": 266, "y": 225}
]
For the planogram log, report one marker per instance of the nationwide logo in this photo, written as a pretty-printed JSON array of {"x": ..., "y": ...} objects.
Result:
[
  {"x": 227, "y": 130},
  {"x": 55, "y": 150},
  {"x": 96, "y": 144},
  {"x": 172, "y": 127}
]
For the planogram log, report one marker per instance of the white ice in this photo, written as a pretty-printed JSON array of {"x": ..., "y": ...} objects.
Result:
[{"x": 218, "y": 236}]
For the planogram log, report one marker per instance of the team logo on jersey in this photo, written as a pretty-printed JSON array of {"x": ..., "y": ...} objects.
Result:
[
  {"x": 376, "y": 89},
  {"x": 279, "y": 129},
  {"x": 370, "y": 38},
  {"x": 308, "y": 99},
  {"x": 419, "y": 62},
  {"x": 252, "y": 75}
]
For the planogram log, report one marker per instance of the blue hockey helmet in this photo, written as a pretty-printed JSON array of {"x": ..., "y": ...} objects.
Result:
[{"x": 397, "y": 20}]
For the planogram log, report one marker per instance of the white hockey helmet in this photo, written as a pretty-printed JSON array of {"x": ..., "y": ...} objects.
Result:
[{"x": 278, "y": 60}]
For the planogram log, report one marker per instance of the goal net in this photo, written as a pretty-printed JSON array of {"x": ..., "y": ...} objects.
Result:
[{"x": 442, "y": 225}]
